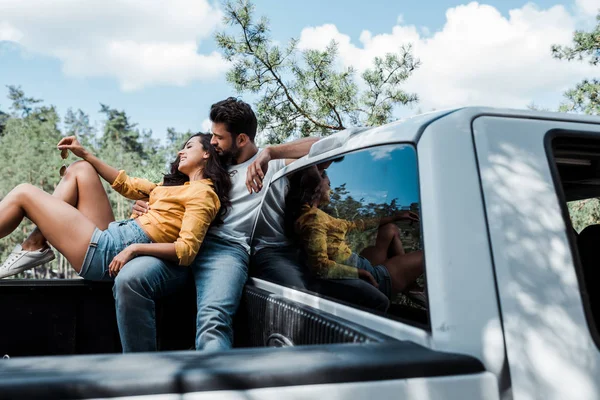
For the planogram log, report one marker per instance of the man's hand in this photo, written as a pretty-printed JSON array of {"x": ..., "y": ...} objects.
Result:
[
  {"x": 257, "y": 170},
  {"x": 120, "y": 260},
  {"x": 366, "y": 276},
  {"x": 140, "y": 207}
]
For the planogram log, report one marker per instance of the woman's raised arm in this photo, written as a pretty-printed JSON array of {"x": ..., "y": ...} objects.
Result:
[{"x": 108, "y": 173}]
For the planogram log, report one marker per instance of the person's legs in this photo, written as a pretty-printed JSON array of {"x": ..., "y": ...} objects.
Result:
[
  {"x": 387, "y": 245},
  {"x": 65, "y": 227},
  {"x": 142, "y": 281},
  {"x": 280, "y": 265},
  {"x": 80, "y": 187},
  {"x": 404, "y": 270},
  {"x": 220, "y": 272}
]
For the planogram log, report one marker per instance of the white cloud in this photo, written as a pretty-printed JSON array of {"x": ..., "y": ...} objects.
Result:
[
  {"x": 382, "y": 153},
  {"x": 479, "y": 57},
  {"x": 140, "y": 43},
  {"x": 589, "y": 7},
  {"x": 206, "y": 125}
]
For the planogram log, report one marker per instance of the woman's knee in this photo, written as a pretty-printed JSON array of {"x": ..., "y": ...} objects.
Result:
[
  {"x": 389, "y": 230},
  {"x": 80, "y": 168},
  {"x": 23, "y": 191}
]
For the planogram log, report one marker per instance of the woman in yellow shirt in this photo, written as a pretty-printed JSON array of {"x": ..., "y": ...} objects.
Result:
[
  {"x": 385, "y": 265},
  {"x": 78, "y": 220}
]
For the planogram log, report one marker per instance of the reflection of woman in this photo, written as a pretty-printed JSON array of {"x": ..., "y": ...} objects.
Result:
[
  {"x": 385, "y": 265},
  {"x": 181, "y": 209}
]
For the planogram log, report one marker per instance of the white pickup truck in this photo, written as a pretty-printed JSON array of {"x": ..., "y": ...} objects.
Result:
[{"x": 513, "y": 299}]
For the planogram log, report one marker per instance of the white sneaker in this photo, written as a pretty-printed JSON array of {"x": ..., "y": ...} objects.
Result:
[{"x": 21, "y": 260}]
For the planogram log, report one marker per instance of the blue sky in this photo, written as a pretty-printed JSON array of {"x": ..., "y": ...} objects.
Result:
[
  {"x": 488, "y": 53},
  {"x": 393, "y": 176}
]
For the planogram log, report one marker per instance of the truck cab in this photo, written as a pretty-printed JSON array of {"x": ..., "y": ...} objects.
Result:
[{"x": 511, "y": 306}]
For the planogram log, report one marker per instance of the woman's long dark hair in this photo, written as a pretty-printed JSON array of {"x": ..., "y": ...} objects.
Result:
[
  {"x": 214, "y": 170},
  {"x": 305, "y": 188}
]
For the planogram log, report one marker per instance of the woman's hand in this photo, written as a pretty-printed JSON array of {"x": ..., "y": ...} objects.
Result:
[
  {"x": 71, "y": 143},
  {"x": 407, "y": 215},
  {"x": 140, "y": 207},
  {"x": 366, "y": 276},
  {"x": 121, "y": 259}
]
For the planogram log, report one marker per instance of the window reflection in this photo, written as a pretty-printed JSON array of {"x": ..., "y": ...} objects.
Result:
[{"x": 351, "y": 229}]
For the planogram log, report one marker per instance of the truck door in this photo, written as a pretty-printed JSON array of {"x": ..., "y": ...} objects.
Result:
[{"x": 530, "y": 167}]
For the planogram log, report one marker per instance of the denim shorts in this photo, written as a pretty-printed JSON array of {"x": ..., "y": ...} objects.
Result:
[
  {"x": 379, "y": 272},
  {"x": 105, "y": 245}
]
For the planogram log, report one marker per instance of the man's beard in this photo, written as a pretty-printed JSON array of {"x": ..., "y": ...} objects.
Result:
[{"x": 229, "y": 157}]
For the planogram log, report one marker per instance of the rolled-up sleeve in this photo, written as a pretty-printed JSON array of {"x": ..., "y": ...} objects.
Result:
[
  {"x": 132, "y": 188},
  {"x": 201, "y": 208},
  {"x": 363, "y": 224}
]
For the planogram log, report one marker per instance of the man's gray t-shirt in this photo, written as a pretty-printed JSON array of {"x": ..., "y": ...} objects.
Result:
[{"x": 239, "y": 220}]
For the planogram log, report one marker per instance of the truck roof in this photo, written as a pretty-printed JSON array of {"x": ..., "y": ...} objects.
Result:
[{"x": 409, "y": 130}]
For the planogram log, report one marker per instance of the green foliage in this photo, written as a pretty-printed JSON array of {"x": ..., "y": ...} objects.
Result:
[
  {"x": 586, "y": 46},
  {"x": 21, "y": 105},
  {"x": 78, "y": 124},
  {"x": 119, "y": 131},
  {"x": 304, "y": 92},
  {"x": 3, "y": 119},
  {"x": 584, "y": 212},
  {"x": 585, "y": 97},
  {"x": 28, "y": 138}
]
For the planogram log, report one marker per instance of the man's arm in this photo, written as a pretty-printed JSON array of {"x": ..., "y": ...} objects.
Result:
[{"x": 289, "y": 151}]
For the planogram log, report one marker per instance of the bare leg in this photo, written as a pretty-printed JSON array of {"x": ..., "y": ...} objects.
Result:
[
  {"x": 80, "y": 187},
  {"x": 65, "y": 227},
  {"x": 387, "y": 245},
  {"x": 404, "y": 270}
]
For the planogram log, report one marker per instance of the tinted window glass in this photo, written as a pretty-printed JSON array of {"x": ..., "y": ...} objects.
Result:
[
  {"x": 348, "y": 229},
  {"x": 576, "y": 160}
]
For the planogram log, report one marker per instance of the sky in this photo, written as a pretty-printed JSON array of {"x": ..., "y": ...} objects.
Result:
[
  {"x": 392, "y": 174},
  {"x": 157, "y": 60}
]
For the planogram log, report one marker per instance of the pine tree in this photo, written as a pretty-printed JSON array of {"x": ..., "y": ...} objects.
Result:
[
  {"x": 302, "y": 92},
  {"x": 585, "y": 97}
]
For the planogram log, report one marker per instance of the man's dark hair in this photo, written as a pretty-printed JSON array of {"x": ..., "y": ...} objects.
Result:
[{"x": 237, "y": 116}]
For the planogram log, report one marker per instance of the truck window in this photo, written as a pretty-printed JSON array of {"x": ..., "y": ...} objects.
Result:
[
  {"x": 577, "y": 161},
  {"x": 348, "y": 229}
]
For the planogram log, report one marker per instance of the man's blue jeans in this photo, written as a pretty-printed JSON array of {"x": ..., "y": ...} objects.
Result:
[{"x": 219, "y": 271}]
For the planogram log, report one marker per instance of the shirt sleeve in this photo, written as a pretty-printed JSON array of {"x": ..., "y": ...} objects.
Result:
[
  {"x": 314, "y": 237},
  {"x": 363, "y": 224},
  {"x": 200, "y": 210},
  {"x": 132, "y": 188}
]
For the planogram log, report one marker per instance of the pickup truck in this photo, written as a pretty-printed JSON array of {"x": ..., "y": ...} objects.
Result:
[{"x": 512, "y": 297}]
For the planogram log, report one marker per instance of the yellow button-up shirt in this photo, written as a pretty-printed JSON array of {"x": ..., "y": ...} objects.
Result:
[
  {"x": 178, "y": 214},
  {"x": 324, "y": 240}
]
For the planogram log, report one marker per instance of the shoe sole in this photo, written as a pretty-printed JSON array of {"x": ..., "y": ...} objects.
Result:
[{"x": 29, "y": 266}]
